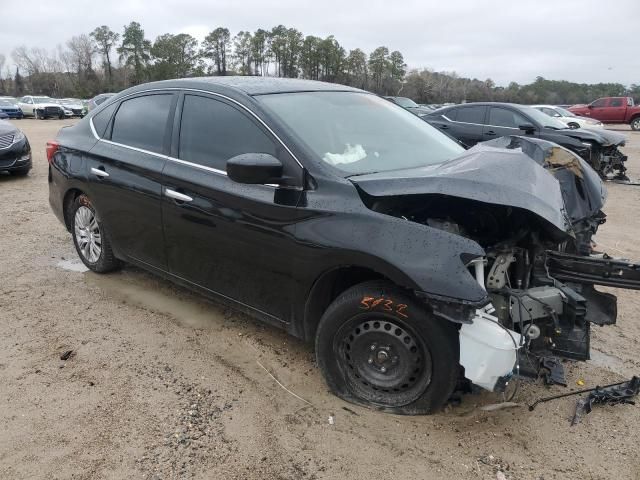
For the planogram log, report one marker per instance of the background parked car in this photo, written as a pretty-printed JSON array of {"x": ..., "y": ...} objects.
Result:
[
  {"x": 570, "y": 119},
  {"x": 13, "y": 100},
  {"x": 410, "y": 105},
  {"x": 477, "y": 122},
  {"x": 40, "y": 107},
  {"x": 98, "y": 100},
  {"x": 611, "y": 110},
  {"x": 74, "y": 105},
  {"x": 10, "y": 109},
  {"x": 15, "y": 151}
]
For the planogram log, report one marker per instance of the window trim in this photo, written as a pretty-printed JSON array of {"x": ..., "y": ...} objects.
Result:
[{"x": 177, "y": 160}]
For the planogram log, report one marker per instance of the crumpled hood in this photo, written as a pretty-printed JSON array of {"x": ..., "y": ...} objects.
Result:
[
  {"x": 602, "y": 136},
  {"x": 495, "y": 176},
  {"x": 582, "y": 189}
]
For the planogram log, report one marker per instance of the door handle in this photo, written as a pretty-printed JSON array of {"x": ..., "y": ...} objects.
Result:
[
  {"x": 99, "y": 172},
  {"x": 180, "y": 197},
  {"x": 490, "y": 132}
]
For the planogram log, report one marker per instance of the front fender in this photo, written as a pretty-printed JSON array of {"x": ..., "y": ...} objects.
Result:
[{"x": 415, "y": 256}]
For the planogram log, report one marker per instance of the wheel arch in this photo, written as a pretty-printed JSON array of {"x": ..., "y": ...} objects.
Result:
[
  {"x": 69, "y": 198},
  {"x": 328, "y": 286}
]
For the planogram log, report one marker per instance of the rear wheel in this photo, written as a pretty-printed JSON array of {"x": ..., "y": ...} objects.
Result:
[
  {"x": 90, "y": 237},
  {"x": 635, "y": 124},
  {"x": 378, "y": 346}
]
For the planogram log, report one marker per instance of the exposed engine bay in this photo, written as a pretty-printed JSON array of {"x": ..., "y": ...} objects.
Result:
[{"x": 539, "y": 273}]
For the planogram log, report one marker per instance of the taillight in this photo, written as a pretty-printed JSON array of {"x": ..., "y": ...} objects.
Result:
[{"x": 52, "y": 148}]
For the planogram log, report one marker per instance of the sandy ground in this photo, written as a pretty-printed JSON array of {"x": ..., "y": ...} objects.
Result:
[{"x": 164, "y": 384}]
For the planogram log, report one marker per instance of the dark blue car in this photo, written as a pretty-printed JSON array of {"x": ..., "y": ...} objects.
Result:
[{"x": 9, "y": 109}]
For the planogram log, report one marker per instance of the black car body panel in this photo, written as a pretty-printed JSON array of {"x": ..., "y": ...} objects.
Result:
[
  {"x": 497, "y": 177},
  {"x": 282, "y": 251},
  {"x": 15, "y": 151}
]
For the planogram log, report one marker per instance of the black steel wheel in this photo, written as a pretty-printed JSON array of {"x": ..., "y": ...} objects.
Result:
[
  {"x": 387, "y": 362},
  {"x": 378, "y": 346}
]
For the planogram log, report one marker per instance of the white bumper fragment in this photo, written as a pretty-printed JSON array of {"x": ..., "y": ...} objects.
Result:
[{"x": 487, "y": 350}]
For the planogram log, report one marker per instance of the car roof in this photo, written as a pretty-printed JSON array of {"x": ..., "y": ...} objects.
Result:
[{"x": 248, "y": 85}]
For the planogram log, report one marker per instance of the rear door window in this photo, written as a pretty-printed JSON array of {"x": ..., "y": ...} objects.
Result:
[
  {"x": 212, "y": 132},
  {"x": 141, "y": 122},
  {"x": 473, "y": 114},
  {"x": 101, "y": 120}
]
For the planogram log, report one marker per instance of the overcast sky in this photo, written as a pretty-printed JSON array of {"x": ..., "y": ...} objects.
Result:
[{"x": 506, "y": 40}]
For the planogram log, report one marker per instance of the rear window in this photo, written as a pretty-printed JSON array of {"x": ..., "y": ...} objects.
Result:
[{"x": 142, "y": 122}]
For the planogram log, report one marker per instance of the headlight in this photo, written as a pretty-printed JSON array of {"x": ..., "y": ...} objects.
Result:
[{"x": 18, "y": 137}]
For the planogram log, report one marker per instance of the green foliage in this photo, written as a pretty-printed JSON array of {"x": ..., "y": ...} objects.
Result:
[
  {"x": 215, "y": 47},
  {"x": 176, "y": 56},
  {"x": 135, "y": 50}
]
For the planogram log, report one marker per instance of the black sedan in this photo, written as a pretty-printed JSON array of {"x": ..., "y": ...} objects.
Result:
[
  {"x": 478, "y": 122},
  {"x": 359, "y": 228},
  {"x": 15, "y": 152}
]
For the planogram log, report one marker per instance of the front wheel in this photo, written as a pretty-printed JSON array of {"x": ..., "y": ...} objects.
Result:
[
  {"x": 635, "y": 124},
  {"x": 378, "y": 346},
  {"x": 90, "y": 237},
  {"x": 573, "y": 125}
]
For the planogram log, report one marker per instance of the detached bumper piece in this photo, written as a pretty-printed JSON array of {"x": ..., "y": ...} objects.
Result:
[
  {"x": 615, "y": 395},
  {"x": 604, "y": 270}
]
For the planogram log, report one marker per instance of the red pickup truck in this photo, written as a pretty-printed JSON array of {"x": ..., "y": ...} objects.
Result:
[{"x": 611, "y": 110}]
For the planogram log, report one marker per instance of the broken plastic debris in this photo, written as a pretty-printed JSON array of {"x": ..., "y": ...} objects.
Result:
[
  {"x": 580, "y": 382},
  {"x": 331, "y": 420}
]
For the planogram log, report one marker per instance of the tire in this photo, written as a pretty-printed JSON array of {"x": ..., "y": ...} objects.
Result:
[
  {"x": 573, "y": 125},
  {"x": 635, "y": 124},
  {"x": 378, "y": 346},
  {"x": 21, "y": 172},
  {"x": 90, "y": 237}
]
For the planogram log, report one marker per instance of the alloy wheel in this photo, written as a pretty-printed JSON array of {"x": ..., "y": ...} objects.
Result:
[{"x": 87, "y": 233}]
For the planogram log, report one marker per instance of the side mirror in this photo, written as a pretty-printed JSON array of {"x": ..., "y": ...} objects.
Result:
[
  {"x": 254, "y": 168},
  {"x": 590, "y": 106},
  {"x": 557, "y": 115},
  {"x": 527, "y": 128}
]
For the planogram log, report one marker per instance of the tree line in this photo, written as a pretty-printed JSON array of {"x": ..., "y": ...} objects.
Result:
[{"x": 104, "y": 60}]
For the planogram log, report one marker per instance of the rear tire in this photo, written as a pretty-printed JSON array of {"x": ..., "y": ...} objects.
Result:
[
  {"x": 635, "y": 124},
  {"x": 378, "y": 346},
  {"x": 90, "y": 237}
]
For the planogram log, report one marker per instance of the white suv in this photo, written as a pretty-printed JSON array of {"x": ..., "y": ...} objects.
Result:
[{"x": 40, "y": 107}]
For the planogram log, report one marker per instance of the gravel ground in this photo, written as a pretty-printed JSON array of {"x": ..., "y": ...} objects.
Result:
[{"x": 163, "y": 384}]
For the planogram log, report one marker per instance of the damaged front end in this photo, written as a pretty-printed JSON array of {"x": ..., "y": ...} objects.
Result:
[{"x": 534, "y": 207}]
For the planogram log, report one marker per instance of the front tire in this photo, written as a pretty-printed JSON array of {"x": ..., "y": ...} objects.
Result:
[
  {"x": 635, "y": 124},
  {"x": 573, "y": 125},
  {"x": 90, "y": 237},
  {"x": 378, "y": 346}
]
